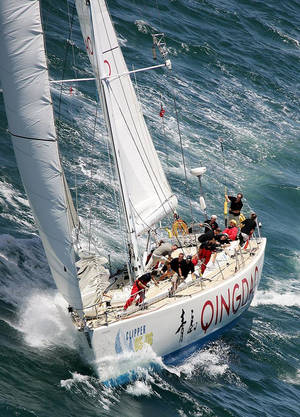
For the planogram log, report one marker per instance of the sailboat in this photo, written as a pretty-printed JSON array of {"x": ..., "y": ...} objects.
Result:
[{"x": 169, "y": 325}]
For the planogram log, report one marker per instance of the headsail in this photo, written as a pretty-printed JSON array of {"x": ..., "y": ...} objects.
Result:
[
  {"x": 149, "y": 197},
  {"x": 24, "y": 76}
]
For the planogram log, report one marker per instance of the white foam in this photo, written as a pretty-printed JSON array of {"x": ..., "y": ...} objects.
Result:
[
  {"x": 77, "y": 378},
  {"x": 90, "y": 387},
  {"x": 144, "y": 27},
  {"x": 44, "y": 321},
  {"x": 212, "y": 362},
  {"x": 139, "y": 388},
  {"x": 14, "y": 204},
  {"x": 286, "y": 38},
  {"x": 292, "y": 379},
  {"x": 272, "y": 297}
]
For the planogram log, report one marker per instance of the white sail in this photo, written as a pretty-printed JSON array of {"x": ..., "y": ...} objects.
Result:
[
  {"x": 24, "y": 76},
  {"x": 148, "y": 196}
]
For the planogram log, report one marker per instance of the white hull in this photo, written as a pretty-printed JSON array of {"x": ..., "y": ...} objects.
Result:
[{"x": 170, "y": 330}]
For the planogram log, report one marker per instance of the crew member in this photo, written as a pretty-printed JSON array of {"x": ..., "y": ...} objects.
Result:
[
  {"x": 231, "y": 230},
  {"x": 206, "y": 249},
  {"x": 236, "y": 205},
  {"x": 139, "y": 288},
  {"x": 160, "y": 254},
  {"x": 222, "y": 239},
  {"x": 248, "y": 227},
  {"x": 209, "y": 224},
  {"x": 182, "y": 268},
  {"x": 188, "y": 267},
  {"x": 210, "y": 234}
]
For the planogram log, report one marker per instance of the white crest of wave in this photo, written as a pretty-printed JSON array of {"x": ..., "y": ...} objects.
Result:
[
  {"x": 77, "y": 378},
  {"x": 144, "y": 26},
  {"x": 213, "y": 362},
  {"x": 292, "y": 379},
  {"x": 139, "y": 388},
  {"x": 287, "y": 299},
  {"x": 44, "y": 321},
  {"x": 90, "y": 387}
]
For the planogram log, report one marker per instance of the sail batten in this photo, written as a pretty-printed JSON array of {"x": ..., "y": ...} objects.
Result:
[
  {"x": 25, "y": 83},
  {"x": 141, "y": 172}
]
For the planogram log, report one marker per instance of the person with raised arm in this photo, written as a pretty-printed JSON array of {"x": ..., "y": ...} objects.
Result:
[{"x": 236, "y": 205}]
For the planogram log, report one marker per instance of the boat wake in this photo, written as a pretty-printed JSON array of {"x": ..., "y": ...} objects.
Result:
[
  {"x": 156, "y": 382},
  {"x": 272, "y": 297}
]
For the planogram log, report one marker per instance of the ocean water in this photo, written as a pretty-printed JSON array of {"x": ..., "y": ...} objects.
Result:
[{"x": 235, "y": 75}]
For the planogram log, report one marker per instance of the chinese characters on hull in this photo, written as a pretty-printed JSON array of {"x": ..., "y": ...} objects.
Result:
[{"x": 220, "y": 307}]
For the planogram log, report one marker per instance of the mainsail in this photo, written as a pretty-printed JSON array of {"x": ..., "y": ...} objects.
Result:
[
  {"x": 147, "y": 195},
  {"x": 25, "y": 83}
]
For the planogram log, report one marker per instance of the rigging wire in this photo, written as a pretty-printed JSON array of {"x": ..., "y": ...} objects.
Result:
[
  {"x": 183, "y": 158},
  {"x": 115, "y": 195},
  {"x": 225, "y": 189},
  {"x": 159, "y": 14},
  {"x": 70, "y": 17},
  {"x": 91, "y": 179},
  {"x": 145, "y": 158},
  {"x": 71, "y": 21},
  {"x": 162, "y": 114}
]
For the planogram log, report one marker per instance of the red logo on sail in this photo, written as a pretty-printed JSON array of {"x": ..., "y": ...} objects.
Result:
[
  {"x": 109, "y": 68},
  {"x": 89, "y": 47}
]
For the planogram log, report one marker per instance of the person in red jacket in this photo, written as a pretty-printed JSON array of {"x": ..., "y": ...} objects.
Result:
[
  {"x": 139, "y": 288},
  {"x": 231, "y": 230},
  {"x": 205, "y": 252}
]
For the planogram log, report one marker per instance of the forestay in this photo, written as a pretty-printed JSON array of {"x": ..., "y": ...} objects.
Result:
[
  {"x": 24, "y": 76},
  {"x": 148, "y": 196}
]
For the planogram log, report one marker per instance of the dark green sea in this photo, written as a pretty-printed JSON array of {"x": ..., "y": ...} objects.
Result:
[{"x": 236, "y": 76}]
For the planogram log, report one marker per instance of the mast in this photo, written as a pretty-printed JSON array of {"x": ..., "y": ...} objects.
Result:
[
  {"x": 26, "y": 91},
  {"x": 146, "y": 194}
]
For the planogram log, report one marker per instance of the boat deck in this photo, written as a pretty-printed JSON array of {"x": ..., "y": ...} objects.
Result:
[{"x": 228, "y": 262}]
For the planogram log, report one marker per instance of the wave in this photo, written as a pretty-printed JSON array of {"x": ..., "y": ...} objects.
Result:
[
  {"x": 23, "y": 268},
  {"x": 272, "y": 297},
  {"x": 44, "y": 321}
]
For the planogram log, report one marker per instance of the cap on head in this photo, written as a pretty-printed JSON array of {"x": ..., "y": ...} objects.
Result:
[
  {"x": 233, "y": 221},
  {"x": 225, "y": 234},
  {"x": 214, "y": 217},
  {"x": 189, "y": 257}
]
